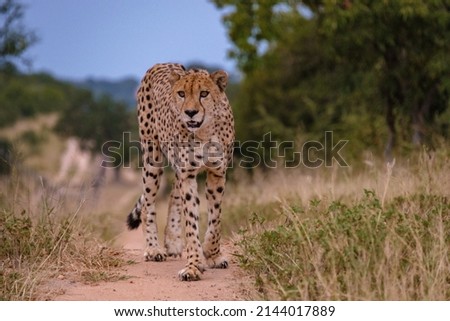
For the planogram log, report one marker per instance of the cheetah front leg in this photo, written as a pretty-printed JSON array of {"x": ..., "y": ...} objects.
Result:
[
  {"x": 194, "y": 267},
  {"x": 151, "y": 173},
  {"x": 173, "y": 241},
  {"x": 215, "y": 185}
]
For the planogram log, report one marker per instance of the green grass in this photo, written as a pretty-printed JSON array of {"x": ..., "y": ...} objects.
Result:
[{"x": 389, "y": 241}]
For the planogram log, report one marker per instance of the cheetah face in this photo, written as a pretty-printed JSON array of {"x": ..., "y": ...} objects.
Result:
[{"x": 196, "y": 96}]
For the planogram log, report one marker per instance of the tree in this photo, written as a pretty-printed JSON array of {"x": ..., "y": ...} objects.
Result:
[
  {"x": 15, "y": 39},
  {"x": 293, "y": 87},
  {"x": 323, "y": 60},
  {"x": 249, "y": 24},
  {"x": 24, "y": 96},
  {"x": 406, "y": 45},
  {"x": 94, "y": 121}
]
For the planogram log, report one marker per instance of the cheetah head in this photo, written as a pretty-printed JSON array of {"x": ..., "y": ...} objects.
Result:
[{"x": 196, "y": 96}]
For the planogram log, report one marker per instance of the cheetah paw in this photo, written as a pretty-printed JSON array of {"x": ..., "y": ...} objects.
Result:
[
  {"x": 190, "y": 273},
  {"x": 156, "y": 254},
  {"x": 220, "y": 262}
]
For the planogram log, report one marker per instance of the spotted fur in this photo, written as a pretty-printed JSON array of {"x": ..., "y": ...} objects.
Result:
[{"x": 184, "y": 117}]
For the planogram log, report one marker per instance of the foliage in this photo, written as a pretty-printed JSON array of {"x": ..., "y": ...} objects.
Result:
[
  {"x": 346, "y": 66},
  {"x": 14, "y": 38},
  {"x": 23, "y": 96},
  {"x": 123, "y": 90},
  {"x": 95, "y": 121},
  {"x": 405, "y": 45}
]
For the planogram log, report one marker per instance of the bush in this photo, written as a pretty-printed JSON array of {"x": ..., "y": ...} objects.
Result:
[{"x": 361, "y": 251}]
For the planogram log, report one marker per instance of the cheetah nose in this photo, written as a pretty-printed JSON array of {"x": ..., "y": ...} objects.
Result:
[{"x": 191, "y": 112}]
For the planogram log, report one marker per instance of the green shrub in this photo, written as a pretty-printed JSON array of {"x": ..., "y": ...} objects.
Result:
[{"x": 361, "y": 251}]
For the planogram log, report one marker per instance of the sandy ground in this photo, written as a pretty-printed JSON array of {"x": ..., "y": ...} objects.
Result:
[{"x": 158, "y": 281}]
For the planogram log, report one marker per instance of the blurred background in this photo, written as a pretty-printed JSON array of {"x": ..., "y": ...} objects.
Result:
[{"x": 375, "y": 73}]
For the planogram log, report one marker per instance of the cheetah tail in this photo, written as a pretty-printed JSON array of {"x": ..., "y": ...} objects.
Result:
[{"x": 134, "y": 218}]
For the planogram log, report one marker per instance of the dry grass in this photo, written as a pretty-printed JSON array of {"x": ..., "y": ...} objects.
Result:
[
  {"x": 56, "y": 228},
  {"x": 366, "y": 232},
  {"x": 381, "y": 233},
  {"x": 42, "y": 238},
  {"x": 422, "y": 171}
]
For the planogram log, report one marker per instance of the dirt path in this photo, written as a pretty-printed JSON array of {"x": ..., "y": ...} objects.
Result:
[
  {"x": 158, "y": 280},
  {"x": 148, "y": 280}
]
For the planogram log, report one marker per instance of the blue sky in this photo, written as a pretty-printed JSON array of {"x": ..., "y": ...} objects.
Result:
[{"x": 118, "y": 38}]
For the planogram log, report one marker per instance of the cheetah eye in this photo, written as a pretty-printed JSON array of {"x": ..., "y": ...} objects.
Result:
[
  {"x": 181, "y": 93},
  {"x": 204, "y": 94}
]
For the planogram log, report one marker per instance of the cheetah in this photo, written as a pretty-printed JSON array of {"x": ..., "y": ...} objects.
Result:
[{"x": 184, "y": 119}]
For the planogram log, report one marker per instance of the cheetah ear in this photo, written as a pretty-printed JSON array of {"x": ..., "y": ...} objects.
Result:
[
  {"x": 220, "y": 78},
  {"x": 174, "y": 77}
]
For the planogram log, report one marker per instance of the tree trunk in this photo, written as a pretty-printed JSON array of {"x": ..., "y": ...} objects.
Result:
[
  {"x": 419, "y": 116},
  {"x": 392, "y": 138}
]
